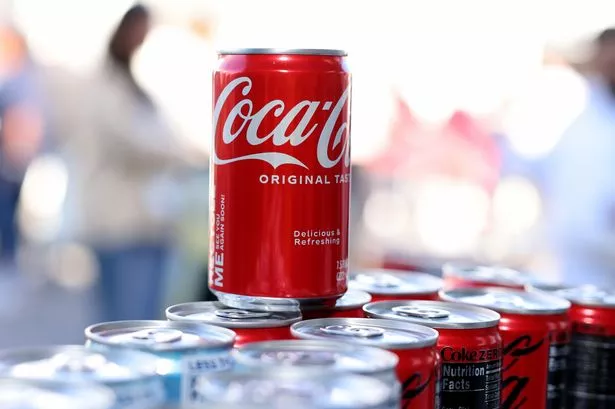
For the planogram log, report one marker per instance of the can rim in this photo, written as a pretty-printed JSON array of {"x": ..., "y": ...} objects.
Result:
[
  {"x": 387, "y": 360},
  {"x": 361, "y": 298},
  {"x": 437, "y": 282},
  {"x": 492, "y": 317},
  {"x": 551, "y": 302},
  {"x": 172, "y": 314},
  {"x": 431, "y": 335},
  {"x": 93, "y": 333},
  {"x": 284, "y": 51},
  {"x": 468, "y": 271}
]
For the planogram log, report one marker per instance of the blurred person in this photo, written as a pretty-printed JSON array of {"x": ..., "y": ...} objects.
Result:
[
  {"x": 579, "y": 181},
  {"x": 122, "y": 161}
]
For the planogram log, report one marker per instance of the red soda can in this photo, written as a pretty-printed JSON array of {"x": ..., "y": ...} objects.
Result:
[
  {"x": 414, "y": 345},
  {"x": 250, "y": 326},
  {"x": 350, "y": 305},
  {"x": 535, "y": 333},
  {"x": 469, "y": 346},
  {"x": 591, "y": 363},
  {"x": 280, "y": 178},
  {"x": 386, "y": 285},
  {"x": 468, "y": 275}
]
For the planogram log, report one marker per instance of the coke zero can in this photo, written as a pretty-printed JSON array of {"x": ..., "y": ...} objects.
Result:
[
  {"x": 386, "y": 285},
  {"x": 469, "y": 346},
  {"x": 414, "y": 345},
  {"x": 535, "y": 333},
  {"x": 249, "y": 326},
  {"x": 350, "y": 305},
  {"x": 280, "y": 178},
  {"x": 470, "y": 275}
]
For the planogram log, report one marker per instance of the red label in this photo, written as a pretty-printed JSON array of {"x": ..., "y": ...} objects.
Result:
[{"x": 280, "y": 182}]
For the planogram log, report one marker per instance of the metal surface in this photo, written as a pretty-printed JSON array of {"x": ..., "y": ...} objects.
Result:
[{"x": 393, "y": 282}]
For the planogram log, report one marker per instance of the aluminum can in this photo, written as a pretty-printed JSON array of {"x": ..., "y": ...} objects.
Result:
[
  {"x": 132, "y": 376},
  {"x": 591, "y": 364},
  {"x": 186, "y": 350},
  {"x": 285, "y": 388},
  {"x": 414, "y": 345},
  {"x": 30, "y": 394},
  {"x": 350, "y": 305},
  {"x": 386, "y": 285},
  {"x": 280, "y": 178},
  {"x": 322, "y": 356},
  {"x": 469, "y": 347},
  {"x": 535, "y": 334},
  {"x": 470, "y": 275},
  {"x": 249, "y": 326}
]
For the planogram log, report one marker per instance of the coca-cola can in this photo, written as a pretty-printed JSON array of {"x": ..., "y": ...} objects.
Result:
[
  {"x": 414, "y": 345},
  {"x": 469, "y": 347},
  {"x": 350, "y": 305},
  {"x": 280, "y": 178},
  {"x": 321, "y": 356},
  {"x": 535, "y": 334},
  {"x": 470, "y": 275},
  {"x": 385, "y": 284},
  {"x": 591, "y": 363},
  {"x": 249, "y": 326}
]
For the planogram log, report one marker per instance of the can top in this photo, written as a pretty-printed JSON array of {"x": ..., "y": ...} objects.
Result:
[
  {"x": 28, "y": 394},
  {"x": 216, "y": 313},
  {"x": 351, "y": 300},
  {"x": 282, "y": 51},
  {"x": 488, "y": 274},
  {"x": 509, "y": 301},
  {"x": 435, "y": 314},
  {"x": 546, "y": 287},
  {"x": 386, "y": 334},
  {"x": 383, "y": 281},
  {"x": 158, "y": 336},
  {"x": 291, "y": 388},
  {"x": 77, "y": 363},
  {"x": 588, "y": 296},
  {"x": 323, "y": 355}
]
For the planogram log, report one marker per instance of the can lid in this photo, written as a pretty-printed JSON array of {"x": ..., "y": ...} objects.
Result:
[
  {"x": 350, "y": 300},
  {"x": 589, "y": 296},
  {"x": 386, "y": 334},
  {"x": 77, "y": 363},
  {"x": 487, "y": 274},
  {"x": 295, "y": 388},
  {"x": 324, "y": 355},
  {"x": 282, "y": 51},
  {"x": 31, "y": 394},
  {"x": 434, "y": 314},
  {"x": 216, "y": 313},
  {"x": 509, "y": 301},
  {"x": 383, "y": 281},
  {"x": 156, "y": 336},
  {"x": 546, "y": 287}
]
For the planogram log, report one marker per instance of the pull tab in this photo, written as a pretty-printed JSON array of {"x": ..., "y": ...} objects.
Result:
[
  {"x": 232, "y": 314},
  {"x": 420, "y": 312},
  {"x": 158, "y": 335},
  {"x": 300, "y": 357},
  {"x": 379, "y": 280},
  {"x": 353, "y": 331},
  {"x": 507, "y": 300},
  {"x": 78, "y": 362}
]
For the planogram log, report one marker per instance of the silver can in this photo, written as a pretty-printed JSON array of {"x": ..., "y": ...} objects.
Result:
[
  {"x": 30, "y": 394},
  {"x": 132, "y": 376},
  {"x": 187, "y": 350},
  {"x": 283, "y": 388}
]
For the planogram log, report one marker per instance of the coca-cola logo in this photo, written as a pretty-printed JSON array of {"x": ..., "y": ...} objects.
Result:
[
  {"x": 244, "y": 118},
  {"x": 514, "y": 386}
]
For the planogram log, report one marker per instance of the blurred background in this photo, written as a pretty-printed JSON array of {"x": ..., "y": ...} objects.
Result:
[{"x": 481, "y": 130}]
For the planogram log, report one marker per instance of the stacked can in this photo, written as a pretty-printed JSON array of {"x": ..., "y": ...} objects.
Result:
[
  {"x": 386, "y": 285},
  {"x": 591, "y": 365},
  {"x": 132, "y": 376},
  {"x": 186, "y": 351},
  {"x": 535, "y": 333},
  {"x": 280, "y": 179},
  {"x": 414, "y": 345},
  {"x": 29, "y": 394},
  {"x": 249, "y": 326},
  {"x": 469, "y": 346},
  {"x": 471, "y": 275}
]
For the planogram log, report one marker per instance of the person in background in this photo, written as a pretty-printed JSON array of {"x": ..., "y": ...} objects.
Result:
[
  {"x": 579, "y": 181},
  {"x": 123, "y": 161}
]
